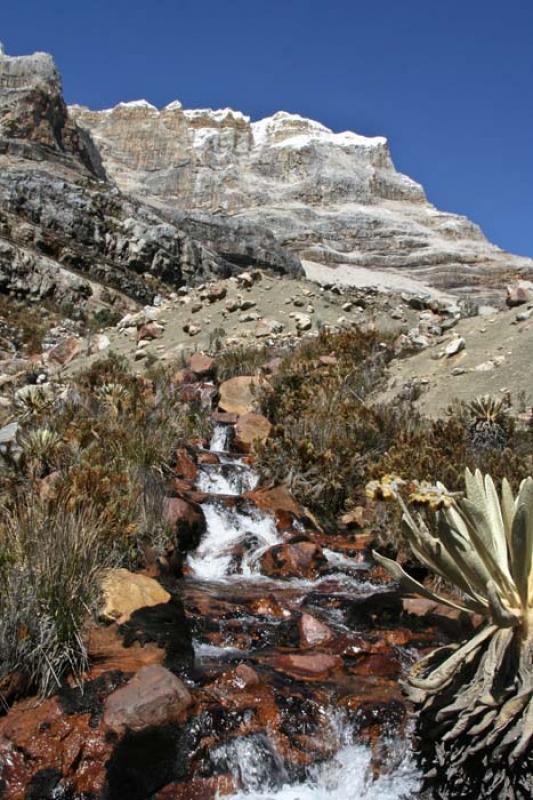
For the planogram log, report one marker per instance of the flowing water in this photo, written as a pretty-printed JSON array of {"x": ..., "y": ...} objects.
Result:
[{"x": 225, "y": 571}]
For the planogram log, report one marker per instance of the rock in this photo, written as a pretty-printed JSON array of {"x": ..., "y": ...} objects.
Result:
[
  {"x": 303, "y": 322},
  {"x": 519, "y": 293},
  {"x": 523, "y": 316},
  {"x": 185, "y": 465},
  {"x": 354, "y": 518},
  {"x": 268, "y": 327},
  {"x": 237, "y": 394},
  {"x": 245, "y": 279},
  {"x": 99, "y": 343},
  {"x": 216, "y": 292},
  {"x": 149, "y": 331},
  {"x": 313, "y": 632},
  {"x": 202, "y": 365},
  {"x": 154, "y": 696},
  {"x": 455, "y": 346},
  {"x": 186, "y": 519},
  {"x": 293, "y": 560},
  {"x": 64, "y": 352},
  {"x": 251, "y": 429},
  {"x": 125, "y": 592},
  {"x": 313, "y": 667}
]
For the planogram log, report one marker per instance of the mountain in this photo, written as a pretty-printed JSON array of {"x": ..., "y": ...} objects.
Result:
[
  {"x": 116, "y": 204},
  {"x": 332, "y": 198},
  {"x": 67, "y": 232}
]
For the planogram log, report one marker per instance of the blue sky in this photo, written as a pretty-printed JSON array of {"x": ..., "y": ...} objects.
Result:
[{"x": 449, "y": 83}]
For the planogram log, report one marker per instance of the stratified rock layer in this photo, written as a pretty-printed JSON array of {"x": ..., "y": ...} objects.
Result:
[{"x": 332, "y": 198}]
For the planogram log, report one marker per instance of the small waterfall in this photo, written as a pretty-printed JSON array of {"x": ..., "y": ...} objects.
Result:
[
  {"x": 256, "y": 767},
  {"x": 229, "y": 531},
  {"x": 229, "y": 478},
  {"x": 219, "y": 439}
]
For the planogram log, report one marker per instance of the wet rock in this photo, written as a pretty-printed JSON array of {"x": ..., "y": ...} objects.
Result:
[
  {"x": 185, "y": 466},
  {"x": 293, "y": 560},
  {"x": 187, "y": 521},
  {"x": 237, "y": 394},
  {"x": 154, "y": 696},
  {"x": 279, "y": 502},
  {"x": 202, "y": 365},
  {"x": 168, "y": 628},
  {"x": 208, "y": 458},
  {"x": 251, "y": 429},
  {"x": 125, "y": 592},
  {"x": 314, "y": 667},
  {"x": 313, "y": 633},
  {"x": 378, "y": 608}
]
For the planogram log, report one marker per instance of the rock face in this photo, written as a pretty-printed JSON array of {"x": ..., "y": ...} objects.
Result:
[
  {"x": 66, "y": 230},
  {"x": 332, "y": 198}
]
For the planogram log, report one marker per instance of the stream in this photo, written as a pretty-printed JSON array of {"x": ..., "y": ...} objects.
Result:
[{"x": 321, "y": 746}]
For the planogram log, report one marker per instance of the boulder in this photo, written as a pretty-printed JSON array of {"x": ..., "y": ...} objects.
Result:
[
  {"x": 302, "y": 559},
  {"x": 313, "y": 632},
  {"x": 154, "y": 696},
  {"x": 202, "y": 365},
  {"x": 187, "y": 521},
  {"x": 149, "y": 331},
  {"x": 125, "y": 592},
  {"x": 519, "y": 293},
  {"x": 65, "y": 351},
  {"x": 237, "y": 394},
  {"x": 251, "y": 429}
]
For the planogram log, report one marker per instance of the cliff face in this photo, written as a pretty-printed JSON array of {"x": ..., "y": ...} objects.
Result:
[
  {"x": 65, "y": 229},
  {"x": 333, "y": 198}
]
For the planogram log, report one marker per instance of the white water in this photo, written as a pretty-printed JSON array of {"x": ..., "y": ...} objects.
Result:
[
  {"x": 219, "y": 439},
  {"x": 227, "y": 528},
  {"x": 214, "y": 479},
  {"x": 348, "y": 775}
]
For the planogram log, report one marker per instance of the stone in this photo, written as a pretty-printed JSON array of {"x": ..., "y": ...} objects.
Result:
[
  {"x": 216, "y": 292},
  {"x": 185, "y": 465},
  {"x": 237, "y": 394},
  {"x": 519, "y": 293},
  {"x": 98, "y": 343},
  {"x": 187, "y": 521},
  {"x": 125, "y": 592},
  {"x": 302, "y": 559},
  {"x": 268, "y": 327},
  {"x": 313, "y": 633},
  {"x": 251, "y": 429},
  {"x": 455, "y": 346},
  {"x": 308, "y": 667},
  {"x": 202, "y": 365},
  {"x": 303, "y": 322},
  {"x": 65, "y": 351},
  {"x": 149, "y": 331},
  {"x": 154, "y": 696}
]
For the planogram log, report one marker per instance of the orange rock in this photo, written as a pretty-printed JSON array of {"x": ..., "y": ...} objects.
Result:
[
  {"x": 202, "y": 365},
  {"x": 293, "y": 560},
  {"x": 185, "y": 466},
  {"x": 251, "y": 429},
  {"x": 237, "y": 394}
]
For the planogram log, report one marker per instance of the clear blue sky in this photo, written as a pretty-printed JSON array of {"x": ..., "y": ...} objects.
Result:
[{"x": 450, "y": 83}]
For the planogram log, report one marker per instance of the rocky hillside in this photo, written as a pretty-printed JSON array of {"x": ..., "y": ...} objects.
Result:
[
  {"x": 67, "y": 232},
  {"x": 332, "y": 198}
]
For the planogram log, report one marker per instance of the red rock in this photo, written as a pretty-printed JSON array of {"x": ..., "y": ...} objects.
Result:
[
  {"x": 64, "y": 352},
  {"x": 185, "y": 466},
  {"x": 154, "y": 696},
  {"x": 268, "y": 607},
  {"x": 251, "y": 429},
  {"x": 203, "y": 393},
  {"x": 237, "y": 394},
  {"x": 293, "y": 560},
  {"x": 216, "y": 292},
  {"x": 186, "y": 519},
  {"x": 199, "y": 789},
  {"x": 313, "y": 632},
  {"x": 224, "y": 418},
  {"x": 519, "y": 293},
  {"x": 314, "y": 666},
  {"x": 275, "y": 500},
  {"x": 202, "y": 365},
  {"x": 208, "y": 458},
  {"x": 382, "y": 664},
  {"x": 149, "y": 331}
]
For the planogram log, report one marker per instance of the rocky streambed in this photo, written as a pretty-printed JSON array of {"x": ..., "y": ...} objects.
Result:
[{"x": 266, "y": 664}]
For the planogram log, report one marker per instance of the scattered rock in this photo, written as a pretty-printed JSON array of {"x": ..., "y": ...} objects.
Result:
[
  {"x": 251, "y": 429},
  {"x": 519, "y": 293},
  {"x": 313, "y": 632},
  {"x": 293, "y": 560},
  {"x": 154, "y": 696},
  {"x": 125, "y": 592}
]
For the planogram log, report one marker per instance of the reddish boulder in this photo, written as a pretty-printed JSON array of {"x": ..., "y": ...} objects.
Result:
[
  {"x": 311, "y": 667},
  {"x": 185, "y": 466},
  {"x": 293, "y": 560},
  {"x": 237, "y": 395},
  {"x": 519, "y": 293},
  {"x": 251, "y": 429},
  {"x": 203, "y": 366},
  {"x": 313, "y": 632},
  {"x": 186, "y": 519},
  {"x": 64, "y": 352},
  {"x": 149, "y": 331},
  {"x": 154, "y": 696},
  {"x": 208, "y": 458}
]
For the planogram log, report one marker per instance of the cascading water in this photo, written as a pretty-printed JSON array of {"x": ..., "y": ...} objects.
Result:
[{"x": 225, "y": 567}]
